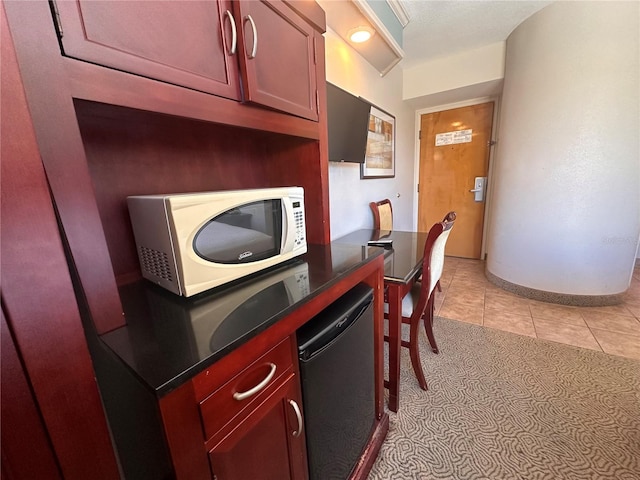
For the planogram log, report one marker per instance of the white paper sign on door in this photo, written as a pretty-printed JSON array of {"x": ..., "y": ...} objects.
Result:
[{"x": 451, "y": 138}]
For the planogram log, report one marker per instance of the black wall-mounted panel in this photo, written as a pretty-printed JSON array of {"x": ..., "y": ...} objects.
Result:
[{"x": 347, "y": 121}]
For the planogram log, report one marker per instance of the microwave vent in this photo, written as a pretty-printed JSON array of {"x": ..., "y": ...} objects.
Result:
[{"x": 156, "y": 263}]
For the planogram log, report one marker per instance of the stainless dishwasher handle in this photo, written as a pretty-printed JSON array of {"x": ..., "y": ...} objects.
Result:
[
  {"x": 234, "y": 33},
  {"x": 296, "y": 409},
  {"x": 255, "y": 37},
  {"x": 252, "y": 391}
]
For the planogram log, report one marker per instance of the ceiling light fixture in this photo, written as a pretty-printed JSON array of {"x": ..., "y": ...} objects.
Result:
[{"x": 360, "y": 34}]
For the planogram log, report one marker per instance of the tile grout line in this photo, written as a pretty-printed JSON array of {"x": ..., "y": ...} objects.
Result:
[
  {"x": 591, "y": 331},
  {"x": 535, "y": 330}
]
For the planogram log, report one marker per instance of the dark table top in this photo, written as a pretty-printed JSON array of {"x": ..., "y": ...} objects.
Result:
[
  {"x": 168, "y": 339},
  {"x": 403, "y": 260}
]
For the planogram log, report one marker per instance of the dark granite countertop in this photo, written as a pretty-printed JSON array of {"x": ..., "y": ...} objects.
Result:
[{"x": 168, "y": 339}]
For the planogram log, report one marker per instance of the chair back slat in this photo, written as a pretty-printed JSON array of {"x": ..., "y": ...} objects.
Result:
[{"x": 382, "y": 214}]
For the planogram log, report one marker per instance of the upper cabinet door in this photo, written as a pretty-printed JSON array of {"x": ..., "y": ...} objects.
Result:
[
  {"x": 277, "y": 57},
  {"x": 187, "y": 43}
]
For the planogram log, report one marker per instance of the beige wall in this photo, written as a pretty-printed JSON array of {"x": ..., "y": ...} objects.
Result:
[
  {"x": 349, "y": 196},
  {"x": 473, "y": 67},
  {"x": 565, "y": 213}
]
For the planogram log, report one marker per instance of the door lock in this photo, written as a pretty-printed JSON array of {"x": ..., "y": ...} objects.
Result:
[{"x": 479, "y": 189}]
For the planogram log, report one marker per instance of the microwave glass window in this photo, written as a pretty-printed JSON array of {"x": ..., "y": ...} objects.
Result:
[{"x": 244, "y": 234}]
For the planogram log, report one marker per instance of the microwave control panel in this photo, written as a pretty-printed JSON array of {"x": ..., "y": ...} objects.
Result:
[{"x": 298, "y": 217}]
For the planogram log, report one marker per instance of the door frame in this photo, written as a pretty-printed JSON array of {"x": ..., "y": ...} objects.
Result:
[{"x": 494, "y": 138}]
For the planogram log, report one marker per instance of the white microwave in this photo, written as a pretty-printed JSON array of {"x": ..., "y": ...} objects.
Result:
[{"x": 192, "y": 242}]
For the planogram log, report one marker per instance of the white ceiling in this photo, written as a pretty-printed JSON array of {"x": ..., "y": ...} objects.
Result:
[{"x": 438, "y": 28}]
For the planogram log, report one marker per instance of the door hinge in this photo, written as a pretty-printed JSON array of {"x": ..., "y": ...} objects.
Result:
[
  {"x": 56, "y": 17},
  {"x": 419, "y": 134},
  {"x": 418, "y": 189}
]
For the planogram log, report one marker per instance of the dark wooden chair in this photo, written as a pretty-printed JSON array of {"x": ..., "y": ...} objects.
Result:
[
  {"x": 382, "y": 214},
  {"x": 418, "y": 304}
]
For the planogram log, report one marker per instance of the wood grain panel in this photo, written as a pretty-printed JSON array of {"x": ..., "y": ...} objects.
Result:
[
  {"x": 26, "y": 451},
  {"x": 38, "y": 296},
  {"x": 104, "y": 85},
  {"x": 311, "y": 12},
  {"x": 183, "y": 428},
  {"x": 60, "y": 150}
]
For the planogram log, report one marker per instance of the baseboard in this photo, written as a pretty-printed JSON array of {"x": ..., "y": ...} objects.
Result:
[{"x": 554, "y": 297}]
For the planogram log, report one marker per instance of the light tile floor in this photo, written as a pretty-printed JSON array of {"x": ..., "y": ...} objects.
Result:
[{"x": 468, "y": 296}]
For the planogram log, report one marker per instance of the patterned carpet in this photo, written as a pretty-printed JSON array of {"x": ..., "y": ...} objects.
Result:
[{"x": 502, "y": 406}]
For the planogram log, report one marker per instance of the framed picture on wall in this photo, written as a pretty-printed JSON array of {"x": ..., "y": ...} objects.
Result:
[{"x": 380, "y": 159}]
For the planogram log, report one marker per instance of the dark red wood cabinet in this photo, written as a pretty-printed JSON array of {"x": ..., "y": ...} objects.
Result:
[
  {"x": 142, "y": 97},
  {"x": 184, "y": 43},
  {"x": 269, "y": 436},
  {"x": 22, "y": 427},
  {"x": 255, "y": 422},
  {"x": 278, "y": 58},
  {"x": 203, "y": 45},
  {"x": 53, "y": 424},
  {"x": 243, "y": 416}
]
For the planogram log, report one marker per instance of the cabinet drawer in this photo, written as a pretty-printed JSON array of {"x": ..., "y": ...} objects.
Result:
[{"x": 250, "y": 385}]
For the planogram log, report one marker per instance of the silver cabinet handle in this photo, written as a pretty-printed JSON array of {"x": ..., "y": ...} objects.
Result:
[
  {"x": 296, "y": 409},
  {"x": 252, "y": 391},
  {"x": 234, "y": 33},
  {"x": 255, "y": 37}
]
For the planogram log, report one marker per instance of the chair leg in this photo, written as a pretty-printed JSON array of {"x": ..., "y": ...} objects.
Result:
[
  {"x": 415, "y": 353},
  {"x": 428, "y": 323}
]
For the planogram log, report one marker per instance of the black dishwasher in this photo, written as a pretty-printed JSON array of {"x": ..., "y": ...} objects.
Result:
[{"x": 337, "y": 372}]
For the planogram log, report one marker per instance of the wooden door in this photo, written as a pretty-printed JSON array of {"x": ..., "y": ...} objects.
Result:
[
  {"x": 184, "y": 43},
  {"x": 278, "y": 57},
  {"x": 454, "y": 150}
]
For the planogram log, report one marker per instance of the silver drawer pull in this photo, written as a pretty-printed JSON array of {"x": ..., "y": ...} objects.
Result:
[
  {"x": 296, "y": 409},
  {"x": 252, "y": 391},
  {"x": 255, "y": 37},
  {"x": 234, "y": 33}
]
